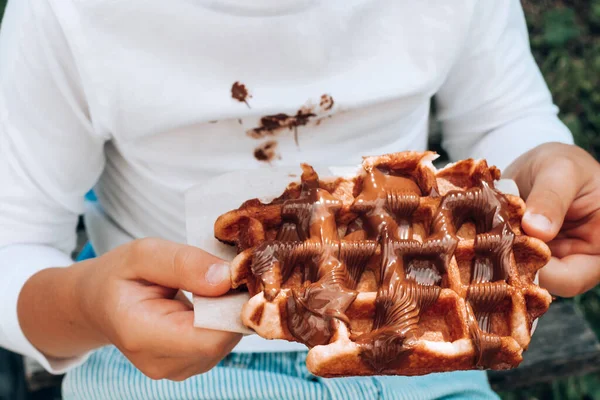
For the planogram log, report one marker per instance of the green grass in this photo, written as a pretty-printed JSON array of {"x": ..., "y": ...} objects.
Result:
[{"x": 565, "y": 38}]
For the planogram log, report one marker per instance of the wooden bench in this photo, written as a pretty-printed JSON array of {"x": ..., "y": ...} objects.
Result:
[{"x": 563, "y": 345}]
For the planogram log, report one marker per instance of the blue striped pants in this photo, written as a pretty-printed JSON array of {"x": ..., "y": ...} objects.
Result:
[{"x": 109, "y": 375}]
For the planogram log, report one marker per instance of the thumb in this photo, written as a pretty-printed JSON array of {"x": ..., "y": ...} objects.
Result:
[
  {"x": 552, "y": 192},
  {"x": 178, "y": 266}
]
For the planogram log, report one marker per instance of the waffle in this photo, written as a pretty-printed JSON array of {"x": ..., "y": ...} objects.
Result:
[{"x": 402, "y": 269}]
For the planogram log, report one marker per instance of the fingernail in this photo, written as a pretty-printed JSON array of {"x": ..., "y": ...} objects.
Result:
[
  {"x": 217, "y": 273},
  {"x": 538, "y": 221}
]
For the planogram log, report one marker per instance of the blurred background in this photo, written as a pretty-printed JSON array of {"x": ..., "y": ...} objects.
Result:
[{"x": 565, "y": 38}]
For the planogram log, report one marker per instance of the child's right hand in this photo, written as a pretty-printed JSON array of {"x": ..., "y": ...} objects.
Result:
[{"x": 129, "y": 297}]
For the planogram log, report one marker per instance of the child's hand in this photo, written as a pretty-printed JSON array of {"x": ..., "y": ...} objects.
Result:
[
  {"x": 129, "y": 294},
  {"x": 129, "y": 297},
  {"x": 561, "y": 185}
]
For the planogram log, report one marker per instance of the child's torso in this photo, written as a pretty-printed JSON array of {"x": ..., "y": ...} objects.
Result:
[{"x": 327, "y": 81}]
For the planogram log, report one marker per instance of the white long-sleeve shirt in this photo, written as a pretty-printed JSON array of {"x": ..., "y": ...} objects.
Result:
[{"x": 135, "y": 99}]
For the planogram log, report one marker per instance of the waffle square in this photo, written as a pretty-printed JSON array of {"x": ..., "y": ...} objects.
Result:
[{"x": 401, "y": 270}]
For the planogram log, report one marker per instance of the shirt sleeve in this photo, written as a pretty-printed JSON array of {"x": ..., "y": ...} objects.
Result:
[
  {"x": 494, "y": 103},
  {"x": 50, "y": 157}
]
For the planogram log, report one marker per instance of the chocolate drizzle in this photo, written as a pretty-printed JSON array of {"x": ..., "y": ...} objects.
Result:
[
  {"x": 411, "y": 270},
  {"x": 381, "y": 197},
  {"x": 493, "y": 250},
  {"x": 309, "y": 237},
  {"x": 397, "y": 312}
]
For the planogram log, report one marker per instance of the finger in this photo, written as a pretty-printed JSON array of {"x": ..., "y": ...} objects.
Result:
[
  {"x": 158, "y": 368},
  {"x": 571, "y": 275},
  {"x": 552, "y": 191},
  {"x": 192, "y": 370},
  {"x": 171, "y": 368},
  {"x": 563, "y": 247},
  {"x": 171, "y": 332},
  {"x": 195, "y": 367},
  {"x": 178, "y": 266}
]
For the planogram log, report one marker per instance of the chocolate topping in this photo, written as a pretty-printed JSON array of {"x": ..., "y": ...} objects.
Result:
[
  {"x": 493, "y": 249},
  {"x": 486, "y": 344},
  {"x": 411, "y": 268},
  {"x": 397, "y": 311}
]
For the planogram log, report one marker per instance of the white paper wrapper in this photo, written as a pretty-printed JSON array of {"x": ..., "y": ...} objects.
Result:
[
  {"x": 221, "y": 313},
  {"x": 205, "y": 203}
]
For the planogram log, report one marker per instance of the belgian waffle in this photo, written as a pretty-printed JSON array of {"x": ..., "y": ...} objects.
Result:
[{"x": 402, "y": 270}]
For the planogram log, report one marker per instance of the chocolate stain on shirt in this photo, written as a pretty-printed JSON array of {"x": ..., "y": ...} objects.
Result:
[
  {"x": 240, "y": 93},
  {"x": 267, "y": 151},
  {"x": 326, "y": 103},
  {"x": 270, "y": 125}
]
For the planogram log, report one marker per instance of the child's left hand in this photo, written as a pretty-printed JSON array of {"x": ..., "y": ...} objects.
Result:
[{"x": 561, "y": 185}]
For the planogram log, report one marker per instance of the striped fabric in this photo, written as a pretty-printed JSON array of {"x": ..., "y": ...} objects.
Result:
[{"x": 109, "y": 375}]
